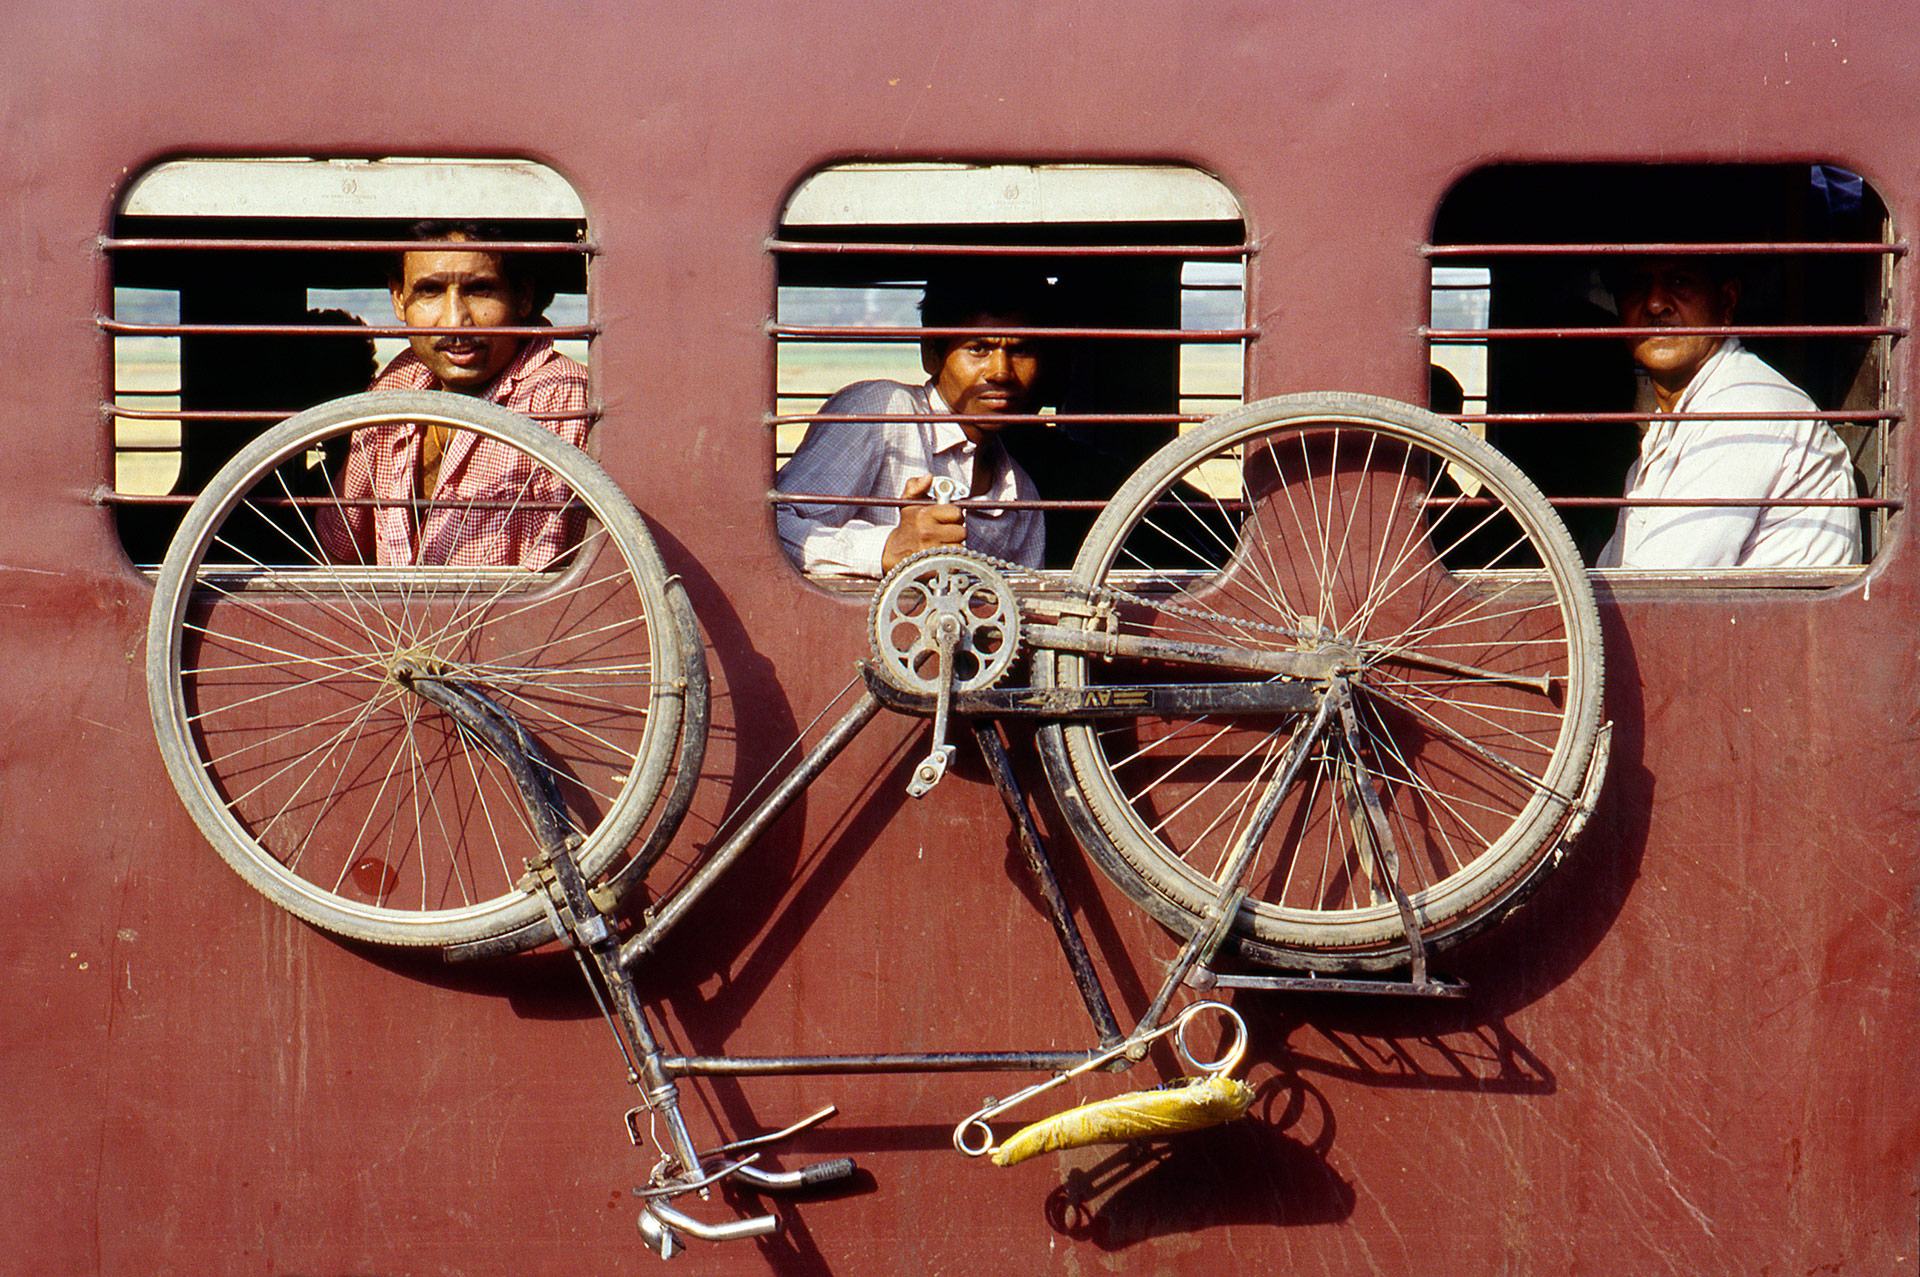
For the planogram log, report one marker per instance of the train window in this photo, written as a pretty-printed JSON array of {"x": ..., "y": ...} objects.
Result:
[
  {"x": 1140, "y": 271},
  {"x": 244, "y": 290},
  {"x": 1529, "y": 266}
]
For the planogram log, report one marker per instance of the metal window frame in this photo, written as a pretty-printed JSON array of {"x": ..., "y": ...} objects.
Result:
[
  {"x": 1885, "y": 418},
  {"x": 332, "y": 191},
  {"x": 1083, "y": 181}
]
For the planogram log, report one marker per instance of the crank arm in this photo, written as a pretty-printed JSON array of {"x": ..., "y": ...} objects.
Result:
[{"x": 933, "y": 767}]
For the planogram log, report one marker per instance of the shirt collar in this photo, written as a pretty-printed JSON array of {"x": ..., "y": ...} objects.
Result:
[
  {"x": 533, "y": 354},
  {"x": 947, "y": 434},
  {"x": 1727, "y": 348}
]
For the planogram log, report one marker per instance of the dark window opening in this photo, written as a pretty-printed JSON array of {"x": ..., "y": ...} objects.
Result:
[
  {"x": 1148, "y": 331},
  {"x": 1522, "y": 311}
]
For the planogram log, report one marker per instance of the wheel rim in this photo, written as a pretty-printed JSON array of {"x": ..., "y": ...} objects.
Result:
[
  {"x": 1408, "y": 550},
  {"x": 348, "y": 799}
]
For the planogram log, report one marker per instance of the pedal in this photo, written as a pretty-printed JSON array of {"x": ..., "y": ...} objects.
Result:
[{"x": 931, "y": 770}]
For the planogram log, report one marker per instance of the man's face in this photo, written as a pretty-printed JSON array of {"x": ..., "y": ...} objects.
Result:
[
  {"x": 455, "y": 288},
  {"x": 1674, "y": 293},
  {"x": 985, "y": 373}
]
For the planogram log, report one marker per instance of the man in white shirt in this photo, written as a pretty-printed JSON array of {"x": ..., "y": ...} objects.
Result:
[
  {"x": 1761, "y": 459},
  {"x": 973, "y": 378}
]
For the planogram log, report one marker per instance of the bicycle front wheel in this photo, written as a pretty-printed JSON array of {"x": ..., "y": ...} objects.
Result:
[
  {"x": 277, "y": 632},
  {"x": 1460, "y": 607}
]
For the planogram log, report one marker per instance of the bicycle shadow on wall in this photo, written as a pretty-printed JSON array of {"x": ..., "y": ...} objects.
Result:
[
  {"x": 545, "y": 984},
  {"x": 1259, "y": 1172},
  {"x": 1542, "y": 945},
  {"x": 745, "y": 937},
  {"x": 1279, "y": 1166},
  {"x": 1284, "y": 1155},
  {"x": 1382, "y": 1042}
]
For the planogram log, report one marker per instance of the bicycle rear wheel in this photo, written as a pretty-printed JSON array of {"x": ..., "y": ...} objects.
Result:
[
  {"x": 1361, "y": 526},
  {"x": 327, "y": 784}
]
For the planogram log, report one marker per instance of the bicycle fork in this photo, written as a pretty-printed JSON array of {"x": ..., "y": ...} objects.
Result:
[
  {"x": 682, "y": 1169},
  {"x": 579, "y": 922}
]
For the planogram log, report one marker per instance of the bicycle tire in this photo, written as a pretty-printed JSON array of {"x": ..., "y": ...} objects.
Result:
[
  {"x": 333, "y": 791},
  {"x": 1317, "y": 518}
]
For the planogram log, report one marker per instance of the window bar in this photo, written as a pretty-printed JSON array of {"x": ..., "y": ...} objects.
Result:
[
  {"x": 777, "y": 497},
  {"x": 880, "y": 248},
  {"x": 121, "y": 328},
  {"x": 856, "y": 332},
  {"x": 1888, "y": 251},
  {"x": 1636, "y": 418},
  {"x": 1797, "y": 503},
  {"x": 1000, "y": 418},
  {"x": 1758, "y": 248},
  {"x": 117, "y": 244},
  {"x": 1469, "y": 335},
  {"x": 272, "y": 415},
  {"x": 150, "y": 244},
  {"x": 830, "y": 333},
  {"x": 108, "y": 496}
]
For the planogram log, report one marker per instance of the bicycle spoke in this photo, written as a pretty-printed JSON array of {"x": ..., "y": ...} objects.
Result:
[
  {"x": 1410, "y": 561},
  {"x": 290, "y": 637},
  {"x": 238, "y": 800}
]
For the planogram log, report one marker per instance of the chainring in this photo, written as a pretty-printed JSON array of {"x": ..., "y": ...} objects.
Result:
[{"x": 912, "y": 600}]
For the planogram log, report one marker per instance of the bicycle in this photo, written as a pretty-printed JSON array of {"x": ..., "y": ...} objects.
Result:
[{"x": 1321, "y": 690}]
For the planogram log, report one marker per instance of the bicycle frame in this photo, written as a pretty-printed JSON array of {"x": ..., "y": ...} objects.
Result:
[
  {"x": 1267, "y": 646},
  {"x": 575, "y": 915}
]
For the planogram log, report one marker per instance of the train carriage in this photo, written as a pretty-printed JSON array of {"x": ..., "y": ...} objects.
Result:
[{"x": 1691, "y": 1050}]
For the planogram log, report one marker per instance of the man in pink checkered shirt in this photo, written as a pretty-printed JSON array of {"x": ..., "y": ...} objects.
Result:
[{"x": 441, "y": 285}]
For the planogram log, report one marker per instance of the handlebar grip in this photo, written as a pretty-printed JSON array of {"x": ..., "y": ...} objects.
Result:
[{"x": 827, "y": 1172}]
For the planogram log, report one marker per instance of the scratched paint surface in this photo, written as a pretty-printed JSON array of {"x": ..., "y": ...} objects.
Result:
[{"x": 1693, "y": 1053}]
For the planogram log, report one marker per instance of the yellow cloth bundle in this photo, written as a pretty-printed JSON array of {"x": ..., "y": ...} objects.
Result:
[{"x": 1198, "y": 1104}]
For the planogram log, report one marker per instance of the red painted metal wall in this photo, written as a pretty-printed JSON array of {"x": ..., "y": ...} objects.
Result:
[{"x": 1694, "y": 1052}]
